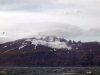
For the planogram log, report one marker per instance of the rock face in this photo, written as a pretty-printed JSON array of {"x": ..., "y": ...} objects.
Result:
[{"x": 49, "y": 51}]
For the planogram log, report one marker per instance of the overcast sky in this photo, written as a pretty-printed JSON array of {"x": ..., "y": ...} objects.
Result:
[{"x": 72, "y": 19}]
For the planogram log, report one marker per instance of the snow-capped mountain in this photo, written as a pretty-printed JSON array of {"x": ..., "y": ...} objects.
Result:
[
  {"x": 49, "y": 51},
  {"x": 47, "y": 41}
]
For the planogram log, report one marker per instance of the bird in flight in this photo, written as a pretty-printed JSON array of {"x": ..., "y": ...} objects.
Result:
[{"x": 3, "y": 33}]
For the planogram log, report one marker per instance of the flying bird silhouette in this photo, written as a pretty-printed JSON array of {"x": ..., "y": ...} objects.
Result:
[{"x": 3, "y": 33}]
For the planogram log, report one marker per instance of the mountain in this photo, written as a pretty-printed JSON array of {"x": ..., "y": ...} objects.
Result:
[{"x": 49, "y": 51}]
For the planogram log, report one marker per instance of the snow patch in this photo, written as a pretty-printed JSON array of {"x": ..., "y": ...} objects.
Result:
[
  {"x": 22, "y": 46},
  {"x": 4, "y": 46},
  {"x": 53, "y": 44}
]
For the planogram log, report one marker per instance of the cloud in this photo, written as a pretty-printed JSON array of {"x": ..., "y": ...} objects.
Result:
[
  {"x": 25, "y": 23},
  {"x": 21, "y": 17},
  {"x": 94, "y": 31},
  {"x": 45, "y": 28},
  {"x": 83, "y": 8},
  {"x": 69, "y": 7},
  {"x": 62, "y": 30},
  {"x": 92, "y": 34}
]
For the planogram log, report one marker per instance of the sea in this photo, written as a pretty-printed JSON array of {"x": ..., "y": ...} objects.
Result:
[{"x": 49, "y": 70}]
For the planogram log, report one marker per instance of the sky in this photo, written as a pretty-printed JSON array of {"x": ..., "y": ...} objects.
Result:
[{"x": 71, "y": 19}]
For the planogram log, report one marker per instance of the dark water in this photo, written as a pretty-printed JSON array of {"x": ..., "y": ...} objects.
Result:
[{"x": 49, "y": 70}]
